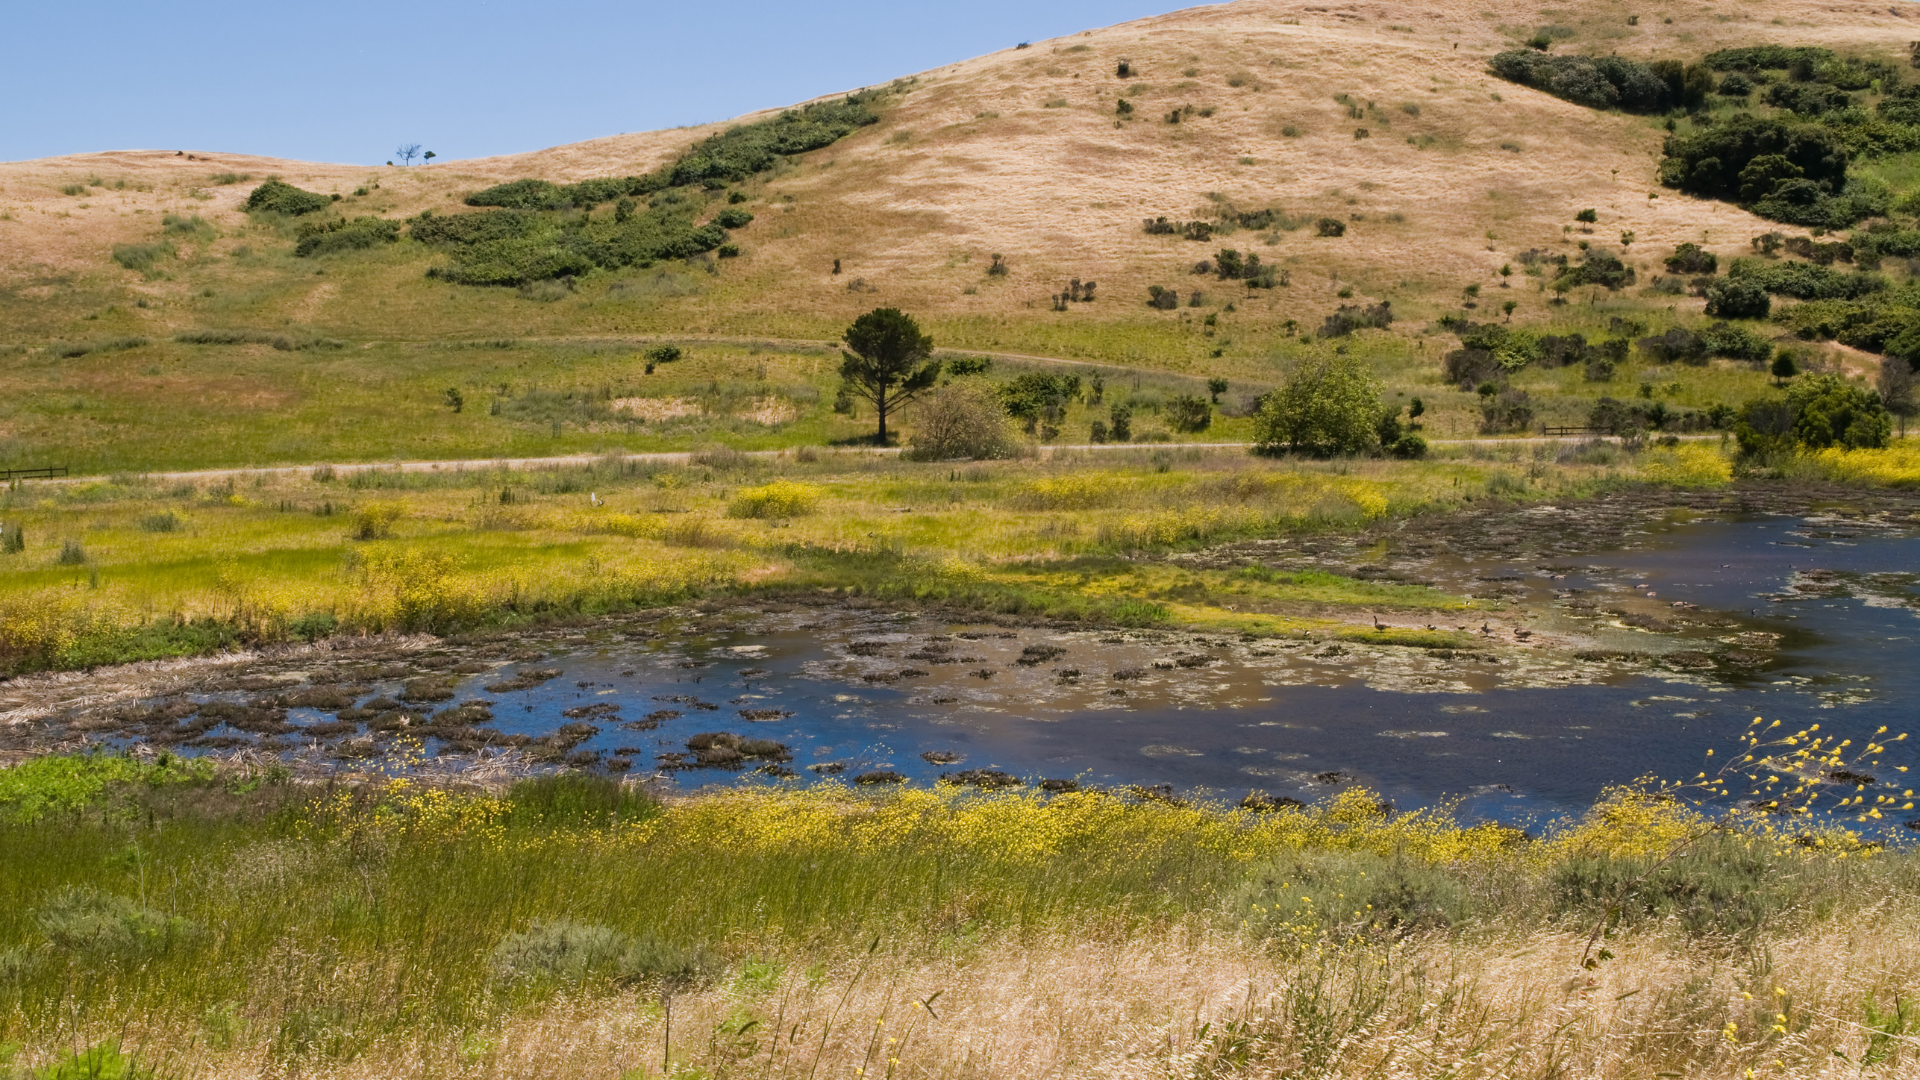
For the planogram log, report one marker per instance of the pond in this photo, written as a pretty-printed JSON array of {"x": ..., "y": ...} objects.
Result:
[{"x": 1626, "y": 661}]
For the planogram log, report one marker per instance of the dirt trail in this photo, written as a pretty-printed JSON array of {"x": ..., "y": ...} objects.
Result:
[{"x": 681, "y": 457}]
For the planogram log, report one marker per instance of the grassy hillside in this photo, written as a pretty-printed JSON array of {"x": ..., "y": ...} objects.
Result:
[
  {"x": 1022, "y": 154},
  {"x": 189, "y": 920}
]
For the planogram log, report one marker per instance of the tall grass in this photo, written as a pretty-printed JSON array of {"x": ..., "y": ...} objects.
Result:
[
  {"x": 276, "y": 558},
  {"x": 217, "y": 922}
]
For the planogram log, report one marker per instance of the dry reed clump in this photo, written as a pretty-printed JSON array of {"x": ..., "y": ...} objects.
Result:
[{"x": 1187, "y": 1002}]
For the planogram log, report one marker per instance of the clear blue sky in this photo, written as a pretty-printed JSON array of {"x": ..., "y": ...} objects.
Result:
[{"x": 348, "y": 80}]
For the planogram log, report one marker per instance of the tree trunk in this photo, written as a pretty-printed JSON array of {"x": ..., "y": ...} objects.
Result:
[{"x": 880, "y": 406}]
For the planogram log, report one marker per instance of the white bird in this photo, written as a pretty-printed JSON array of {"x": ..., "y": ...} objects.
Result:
[{"x": 593, "y": 498}]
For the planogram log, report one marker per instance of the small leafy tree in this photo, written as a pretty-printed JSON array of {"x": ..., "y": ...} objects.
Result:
[
  {"x": 961, "y": 420},
  {"x": 1817, "y": 412},
  {"x": 1215, "y": 387},
  {"x": 1122, "y": 416},
  {"x": 1784, "y": 368},
  {"x": 887, "y": 361},
  {"x": 1895, "y": 383},
  {"x": 1189, "y": 413},
  {"x": 1327, "y": 406}
]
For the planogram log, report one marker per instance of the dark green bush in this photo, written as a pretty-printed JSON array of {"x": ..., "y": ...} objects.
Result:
[
  {"x": 430, "y": 228},
  {"x": 1738, "y": 299},
  {"x": 740, "y": 152},
  {"x": 1597, "y": 267},
  {"x": 1330, "y": 226},
  {"x": 1350, "y": 317},
  {"x": 1409, "y": 446},
  {"x": 334, "y": 237},
  {"x": 1606, "y": 82},
  {"x": 277, "y": 197},
  {"x": 1816, "y": 412},
  {"x": 1680, "y": 345},
  {"x": 1805, "y": 281},
  {"x": 1034, "y": 398},
  {"x": 1736, "y": 343},
  {"x": 520, "y": 195},
  {"x": 1807, "y": 99},
  {"x": 1690, "y": 258},
  {"x": 1766, "y": 58},
  {"x": 1745, "y": 158},
  {"x": 733, "y": 218}
]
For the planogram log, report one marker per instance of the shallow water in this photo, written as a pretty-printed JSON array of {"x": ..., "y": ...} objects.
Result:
[{"x": 1823, "y": 616}]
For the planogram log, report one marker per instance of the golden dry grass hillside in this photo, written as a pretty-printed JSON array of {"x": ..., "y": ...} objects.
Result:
[
  {"x": 1020, "y": 152},
  {"x": 1023, "y": 153}
]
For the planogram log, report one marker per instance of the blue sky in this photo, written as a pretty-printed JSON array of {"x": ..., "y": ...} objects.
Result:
[{"x": 348, "y": 80}]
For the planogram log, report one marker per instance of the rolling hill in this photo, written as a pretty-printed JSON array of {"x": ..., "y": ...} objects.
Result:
[{"x": 1382, "y": 117}]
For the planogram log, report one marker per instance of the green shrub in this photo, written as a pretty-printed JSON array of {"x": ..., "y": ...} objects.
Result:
[
  {"x": 1350, "y": 317},
  {"x": 277, "y": 197},
  {"x": 1506, "y": 410},
  {"x": 13, "y": 540},
  {"x": 1817, "y": 412},
  {"x": 429, "y": 228},
  {"x": 334, "y": 237},
  {"x": 733, "y": 218},
  {"x": 1326, "y": 406},
  {"x": 1691, "y": 258},
  {"x": 1596, "y": 267},
  {"x": 1606, "y": 82},
  {"x": 1329, "y": 226},
  {"x": 741, "y": 152},
  {"x": 105, "y": 926},
  {"x": 191, "y": 225},
  {"x": 1766, "y": 58},
  {"x": 566, "y": 952},
  {"x": 142, "y": 257},
  {"x": 1753, "y": 161},
  {"x": 1189, "y": 413},
  {"x": 1035, "y": 398},
  {"x": 521, "y": 195},
  {"x": 1805, "y": 281},
  {"x": 1739, "y": 298},
  {"x": 71, "y": 554},
  {"x": 1807, "y": 99},
  {"x": 164, "y": 522}
]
